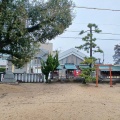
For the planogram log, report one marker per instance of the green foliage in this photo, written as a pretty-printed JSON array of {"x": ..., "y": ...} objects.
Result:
[
  {"x": 55, "y": 61},
  {"x": 23, "y": 24},
  {"x": 89, "y": 41},
  {"x": 87, "y": 73},
  {"x": 49, "y": 65},
  {"x": 89, "y": 60},
  {"x": 25, "y": 54},
  {"x": 2, "y": 69}
]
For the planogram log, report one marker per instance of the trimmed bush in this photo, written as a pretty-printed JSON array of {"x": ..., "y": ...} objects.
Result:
[{"x": 2, "y": 69}]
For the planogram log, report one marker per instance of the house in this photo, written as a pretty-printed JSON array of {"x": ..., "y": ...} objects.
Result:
[
  {"x": 104, "y": 71},
  {"x": 70, "y": 61},
  {"x": 71, "y": 56},
  {"x": 35, "y": 64}
]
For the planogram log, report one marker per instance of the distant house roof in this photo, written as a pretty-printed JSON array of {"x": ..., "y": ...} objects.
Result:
[
  {"x": 59, "y": 67},
  {"x": 106, "y": 68},
  {"x": 42, "y": 54},
  {"x": 71, "y": 51},
  {"x": 70, "y": 67}
]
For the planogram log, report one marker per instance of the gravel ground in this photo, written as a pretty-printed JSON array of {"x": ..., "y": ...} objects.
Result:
[{"x": 59, "y": 101}]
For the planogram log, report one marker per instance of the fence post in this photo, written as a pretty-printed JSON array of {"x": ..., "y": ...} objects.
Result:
[{"x": 97, "y": 68}]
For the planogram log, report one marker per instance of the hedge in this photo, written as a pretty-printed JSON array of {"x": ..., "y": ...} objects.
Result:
[{"x": 2, "y": 69}]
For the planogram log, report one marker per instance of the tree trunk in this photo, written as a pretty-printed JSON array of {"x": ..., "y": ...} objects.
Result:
[
  {"x": 83, "y": 82},
  {"x": 46, "y": 77},
  {"x": 91, "y": 45}
]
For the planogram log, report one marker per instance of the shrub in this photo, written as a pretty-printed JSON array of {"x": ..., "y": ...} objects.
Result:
[{"x": 2, "y": 69}]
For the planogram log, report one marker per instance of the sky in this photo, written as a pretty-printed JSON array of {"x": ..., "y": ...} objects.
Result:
[{"x": 107, "y": 21}]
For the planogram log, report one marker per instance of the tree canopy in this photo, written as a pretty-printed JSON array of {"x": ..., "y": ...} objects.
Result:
[
  {"x": 87, "y": 73},
  {"x": 90, "y": 46},
  {"x": 116, "y": 56},
  {"x": 23, "y": 24}
]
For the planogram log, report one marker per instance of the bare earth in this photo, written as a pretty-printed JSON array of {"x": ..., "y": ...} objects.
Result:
[{"x": 59, "y": 101}]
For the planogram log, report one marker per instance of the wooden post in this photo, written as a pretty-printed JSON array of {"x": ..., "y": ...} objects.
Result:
[
  {"x": 97, "y": 75},
  {"x": 110, "y": 77}
]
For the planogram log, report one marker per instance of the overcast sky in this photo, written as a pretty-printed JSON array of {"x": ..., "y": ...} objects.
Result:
[{"x": 107, "y": 21}]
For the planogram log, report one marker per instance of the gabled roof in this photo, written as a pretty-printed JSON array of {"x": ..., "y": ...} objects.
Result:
[
  {"x": 42, "y": 54},
  {"x": 72, "y": 51}
]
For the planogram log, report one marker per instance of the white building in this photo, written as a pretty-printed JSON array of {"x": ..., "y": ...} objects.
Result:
[{"x": 3, "y": 61}]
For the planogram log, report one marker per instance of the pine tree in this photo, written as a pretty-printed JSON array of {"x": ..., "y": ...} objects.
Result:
[
  {"x": 116, "y": 56},
  {"x": 87, "y": 73},
  {"x": 90, "y": 46}
]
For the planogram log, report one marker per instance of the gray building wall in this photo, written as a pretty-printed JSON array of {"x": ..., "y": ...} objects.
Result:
[
  {"x": 47, "y": 46},
  {"x": 71, "y": 59}
]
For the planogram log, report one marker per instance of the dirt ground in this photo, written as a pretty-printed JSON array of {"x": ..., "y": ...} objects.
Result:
[{"x": 59, "y": 101}]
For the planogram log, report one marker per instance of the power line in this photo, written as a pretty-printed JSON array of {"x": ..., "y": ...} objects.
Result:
[
  {"x": 105, "y": 9},
  {"x": 110, "y": 33},
  {"x": 96, "y": 38},
  {"x": 108, "y": 39},
  {"x": 98, "y": 24},
  {"x": 99, "y": 33}
]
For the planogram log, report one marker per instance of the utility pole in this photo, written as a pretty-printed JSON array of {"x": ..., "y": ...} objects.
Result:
[
  {"x": 90, "y": 45},
  {"x": 103, "y": 57}
]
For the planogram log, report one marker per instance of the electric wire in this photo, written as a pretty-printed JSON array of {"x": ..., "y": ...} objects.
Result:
[
  {"x": 94, "y": 32},
  {"x": 103, "y": 9},
  {"x": 96, "y": 38}
]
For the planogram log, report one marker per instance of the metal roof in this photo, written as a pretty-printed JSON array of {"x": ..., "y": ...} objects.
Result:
[
  {"x": 106, "y": 68},
  {"x": 59, "y": 67},
  {"x": 70, "y": 67}
]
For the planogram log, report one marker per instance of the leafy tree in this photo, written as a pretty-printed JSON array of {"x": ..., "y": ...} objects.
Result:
[
  {"x": 49, "y": 65},
  {"x": 27, "y": 52},
  {"x": 90, "y": 46},
  {"x": 87, "y": 73},
  {"x": 23, "y": 24},
  {"x": 116, "y": 56},
  {"x": 56, "y": 61}
]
